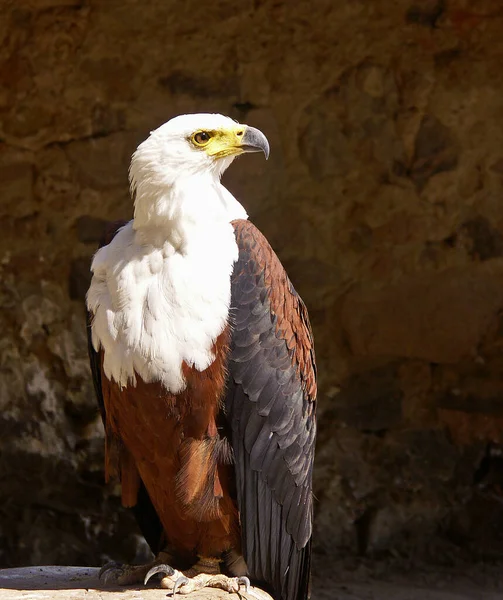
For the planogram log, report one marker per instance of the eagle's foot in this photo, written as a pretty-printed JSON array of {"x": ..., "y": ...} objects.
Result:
[
  {"x": 184, "y": 585},
  {"x": 114, "y": 573},
  {"x": 179, "y": 583}
]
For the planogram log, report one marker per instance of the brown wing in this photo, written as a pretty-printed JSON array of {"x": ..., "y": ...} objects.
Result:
[{"x": 270, "y": 406}]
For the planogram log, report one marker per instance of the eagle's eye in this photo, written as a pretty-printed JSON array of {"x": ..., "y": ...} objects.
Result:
[{"x": 201, "y": 138}]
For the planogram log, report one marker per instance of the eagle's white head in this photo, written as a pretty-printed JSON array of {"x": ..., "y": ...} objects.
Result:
[{"x": 175, "y": 173}]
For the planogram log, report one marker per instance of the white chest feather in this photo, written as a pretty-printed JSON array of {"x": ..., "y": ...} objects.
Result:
[{"x": 155, "y": 308}]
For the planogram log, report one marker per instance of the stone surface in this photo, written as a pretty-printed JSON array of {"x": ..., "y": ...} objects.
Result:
[
  {"x": 83, "y": 583},
  {"x": 79, "y": 583},
  {"x": 382, "y": 196}
]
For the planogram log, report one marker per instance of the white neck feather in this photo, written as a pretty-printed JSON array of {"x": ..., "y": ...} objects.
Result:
[{"x": 175, "y": 213}]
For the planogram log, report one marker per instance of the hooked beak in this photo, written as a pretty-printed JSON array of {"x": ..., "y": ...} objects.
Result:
[
  {"x": 254, "y": 140},
  {"x": 237, "y": 140}
]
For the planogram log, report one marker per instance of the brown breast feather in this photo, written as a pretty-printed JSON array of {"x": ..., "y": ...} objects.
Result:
[{"x": 173, "y": 444}]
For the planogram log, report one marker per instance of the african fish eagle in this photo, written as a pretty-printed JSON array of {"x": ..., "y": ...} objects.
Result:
[{"x": 203, "y": 364}]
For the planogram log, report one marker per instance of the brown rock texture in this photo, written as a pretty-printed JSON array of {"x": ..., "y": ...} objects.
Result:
[{"x": 383, "y": 197}]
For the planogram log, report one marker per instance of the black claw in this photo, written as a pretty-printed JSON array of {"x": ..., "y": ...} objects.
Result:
[
  {"x": 179, "y": 582},
  {"x": 166, "y": 569}
]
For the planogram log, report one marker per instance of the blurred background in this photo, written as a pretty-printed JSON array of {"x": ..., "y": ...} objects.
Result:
[{"x": 383, "y": 198}]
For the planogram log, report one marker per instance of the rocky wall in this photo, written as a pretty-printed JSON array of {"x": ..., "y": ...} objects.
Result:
[{"x": 382, "y": 196}]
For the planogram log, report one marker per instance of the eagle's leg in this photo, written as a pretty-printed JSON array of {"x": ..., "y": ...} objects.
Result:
[
  {"x": 114, "y": 573},
  {"x": 206, "y": 573}
]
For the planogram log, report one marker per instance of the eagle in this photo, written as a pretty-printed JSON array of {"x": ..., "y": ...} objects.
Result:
[{"x": 203, "y": 365}]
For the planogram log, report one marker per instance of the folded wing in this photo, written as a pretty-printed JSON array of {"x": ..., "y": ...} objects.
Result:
[{"x": 270, "y": 405}]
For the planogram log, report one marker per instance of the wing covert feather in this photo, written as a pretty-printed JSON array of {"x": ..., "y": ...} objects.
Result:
[{"x": 270, "y": 404}]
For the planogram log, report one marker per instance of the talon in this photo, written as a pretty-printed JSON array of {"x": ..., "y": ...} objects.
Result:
[
  {"x": 179, "y": 582},
  {"x": 244, "y": 581},
  {"x": 166, "y": 569}
]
